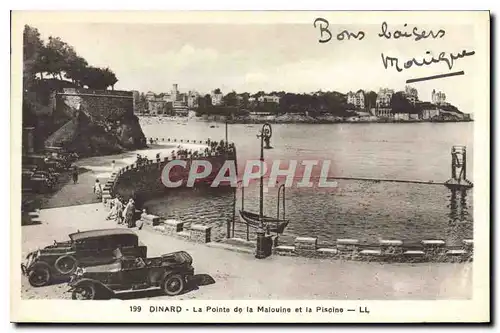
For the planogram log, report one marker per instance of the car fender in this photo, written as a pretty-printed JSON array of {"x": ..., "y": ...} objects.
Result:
[
  {"x": 98, "y": 284},
  {"x": 170, "y": 272}
]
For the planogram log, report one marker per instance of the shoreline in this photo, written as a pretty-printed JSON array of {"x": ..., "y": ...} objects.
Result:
[{"x": 309, "y": 120}]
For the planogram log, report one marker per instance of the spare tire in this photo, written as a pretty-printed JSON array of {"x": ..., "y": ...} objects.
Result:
[{"x": 65, "y": 264}]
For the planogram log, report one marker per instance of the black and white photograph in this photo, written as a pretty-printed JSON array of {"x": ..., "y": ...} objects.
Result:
[{"x": 336, "y": 160}]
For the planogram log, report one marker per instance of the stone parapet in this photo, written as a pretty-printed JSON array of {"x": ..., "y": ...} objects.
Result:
[{"x": 200, "y": 233}]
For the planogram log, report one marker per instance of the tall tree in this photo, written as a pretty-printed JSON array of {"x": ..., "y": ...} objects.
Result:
[
  {"x": 400, "y": 104},
  {"x": 32, "y": 52},
  {"x": 230, "y": 99},
  {"x": 56, "y": 54},
  {"x": 370, "y": 99}
]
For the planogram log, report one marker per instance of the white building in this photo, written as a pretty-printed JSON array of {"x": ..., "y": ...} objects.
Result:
[
  {"x": 401, "y": 116},
  {"x": 269, "y": 99},
  {"x": 356, "y": 98},
  {"x": 174, "y": 95},
  {"x": 383, "y": 112},
  {"x": 384, "y": 97},
  {"x": 429, "y": 113},
  {"x": 411, "y": 94},
  {"x": 438, "y": 97},
  {"x": 192, "y": 99},
  {"x": 217, "y": 98}
]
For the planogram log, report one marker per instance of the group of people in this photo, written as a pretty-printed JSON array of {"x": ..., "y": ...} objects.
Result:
[
  {"x": 154, "y": 141},
  {"x": 122, "y": 214}
]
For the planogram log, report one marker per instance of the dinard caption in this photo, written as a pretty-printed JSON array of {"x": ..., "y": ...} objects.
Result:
[{"x": 249, "y": 309}]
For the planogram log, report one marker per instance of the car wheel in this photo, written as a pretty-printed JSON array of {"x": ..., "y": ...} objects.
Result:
[
  {"x": 173, "y": 284},
  {"x": 84, "y": 292},
  {"x": 39, "y": 275},
  {"x": 65, "y": 265}
]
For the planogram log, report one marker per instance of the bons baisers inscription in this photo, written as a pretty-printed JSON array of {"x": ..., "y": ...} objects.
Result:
[{"x": 414, "y": 33}]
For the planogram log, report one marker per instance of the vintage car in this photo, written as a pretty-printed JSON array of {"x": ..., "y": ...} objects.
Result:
[
  {"x": 86, "y": 248},
  {"x": 171, "y": 273},
  {"x": 40, "y": 182}
]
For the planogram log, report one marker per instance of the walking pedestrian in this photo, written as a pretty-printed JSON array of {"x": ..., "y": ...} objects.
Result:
[
  {"x": 75, "y": 175},
  {"x": 119, "y": 210},
  {"x": 128, "y": 213},
  {"x": 112, "y": 165}
]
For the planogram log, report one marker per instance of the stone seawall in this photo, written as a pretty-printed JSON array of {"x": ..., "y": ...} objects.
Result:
[{"x": 95, "y": 122}]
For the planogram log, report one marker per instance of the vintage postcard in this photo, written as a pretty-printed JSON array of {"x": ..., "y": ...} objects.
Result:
[{"x": 235, "y": 167}]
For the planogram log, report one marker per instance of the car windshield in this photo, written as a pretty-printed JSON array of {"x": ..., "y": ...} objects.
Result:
[
  {"x": 107, "y": 242},
  {"x": 111, "y": 268}
]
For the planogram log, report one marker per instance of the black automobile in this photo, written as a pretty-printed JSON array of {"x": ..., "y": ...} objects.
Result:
[
  {"x": 171, "y": 273},
  {"x": 86, "y": 248}
]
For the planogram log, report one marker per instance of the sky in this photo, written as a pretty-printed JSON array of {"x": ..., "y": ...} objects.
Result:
[{"x": 269, "y": 57}]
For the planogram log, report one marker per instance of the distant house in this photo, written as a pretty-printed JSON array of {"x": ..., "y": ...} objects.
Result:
[
  {"x": 384, "y": 97},
  {"x": 438, "y": 97},
  {"x": 356, "y": 98},
  {"x": 430, "y": 113},
  {"x": 192, "y": 99},
  {"x": 260, "y": 113},
  {"x": 363, "y": 114},
  {"x": 155, "y": 104},
  {"x": 383, "y": 112},
  {"x": 401, "y": 116},
  {"x": 217, "y": 98},
  {"x": 411, "y": 94},
  {"x": 269, "y": 99}
]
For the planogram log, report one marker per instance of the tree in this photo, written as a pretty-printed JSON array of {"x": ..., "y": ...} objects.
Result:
[
  {"x": 98, "y": 78},
  {"x": 230, "y": 99},
  {"x": 56, "y": 58},
  {"x": 56, "y": 55},
  {"x": 217, "y": 91},
  {"x": 370, "y": 99},
  {"x": 400, "y": 104},
  {"x": 32, "y": 53}
]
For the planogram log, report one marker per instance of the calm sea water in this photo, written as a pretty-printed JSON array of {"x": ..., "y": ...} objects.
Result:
[{"x": 354, "y": 209}]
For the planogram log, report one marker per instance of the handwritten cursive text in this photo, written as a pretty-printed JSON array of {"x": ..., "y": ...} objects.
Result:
[
  {"x": 326, "y": 35},
  {"x": 405, "y": 34},
  {"x": 443, "y": 57}
]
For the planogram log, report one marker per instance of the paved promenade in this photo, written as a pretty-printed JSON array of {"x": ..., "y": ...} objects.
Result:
[{"x": 241, "y": 276}]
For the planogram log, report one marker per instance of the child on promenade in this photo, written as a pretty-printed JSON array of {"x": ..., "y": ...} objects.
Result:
[{"x": 98, "y": 189}]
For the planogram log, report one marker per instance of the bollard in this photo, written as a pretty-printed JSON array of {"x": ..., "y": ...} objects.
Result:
[{"x": 264, "y": 244}]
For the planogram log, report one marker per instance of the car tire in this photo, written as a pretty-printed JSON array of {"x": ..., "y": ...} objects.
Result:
[
  {"x": 173, "y": 284},
  {"x": 85, "y": 292},
  {"x": 65, "y": 264},
  {"x": 39, "y": 275}
]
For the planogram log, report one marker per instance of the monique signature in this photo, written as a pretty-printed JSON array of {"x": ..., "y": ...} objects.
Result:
[{"x": 449, "y": 59}]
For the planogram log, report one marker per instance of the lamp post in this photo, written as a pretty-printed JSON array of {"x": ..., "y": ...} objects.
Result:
[
  {"x": 264, "y": 245},
  {"x": 265, "y": 136}
]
